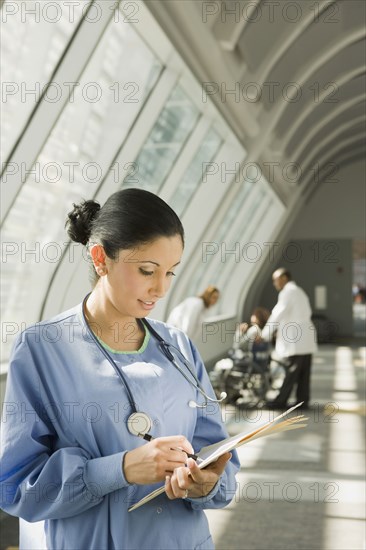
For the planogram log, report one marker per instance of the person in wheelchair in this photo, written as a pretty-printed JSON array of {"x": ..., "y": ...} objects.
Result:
[
  {"x": 247, "y": 337},
  {"x": 243, "y": 375}
]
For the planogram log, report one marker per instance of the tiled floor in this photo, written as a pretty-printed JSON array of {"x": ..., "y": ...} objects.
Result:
[{"x": 305, "y": 489}]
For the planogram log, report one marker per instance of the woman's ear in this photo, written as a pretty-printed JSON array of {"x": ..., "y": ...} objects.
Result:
[{"x": 98, "y": 257}]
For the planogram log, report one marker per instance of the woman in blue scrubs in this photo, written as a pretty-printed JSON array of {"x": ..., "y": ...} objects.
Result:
[{"x": 68, "y": 455}]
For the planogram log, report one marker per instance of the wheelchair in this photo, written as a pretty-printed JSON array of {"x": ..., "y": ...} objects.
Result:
[{"x": 247, "y": 377}]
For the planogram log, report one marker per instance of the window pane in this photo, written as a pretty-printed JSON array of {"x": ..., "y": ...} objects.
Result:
[
  {"x": 32, "y": 40},
  {"x": 164, "y": 144},
  {"x": 194, "y": 173},
  {"x": 228, "y": 220},
  {"x": 71, "y": 166},
  {"x": 243, "y": 235}
]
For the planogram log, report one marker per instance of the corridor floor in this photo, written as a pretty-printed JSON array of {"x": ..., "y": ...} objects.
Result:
[{"x": 304, "y": 489}]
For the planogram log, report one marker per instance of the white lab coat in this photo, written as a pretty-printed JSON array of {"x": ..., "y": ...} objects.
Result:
[
  {"x": 291, "y": 318},
  {"x": 189, "y": 316}
]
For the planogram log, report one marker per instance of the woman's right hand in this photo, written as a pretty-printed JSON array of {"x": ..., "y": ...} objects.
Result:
[{"x": 155, "y": 460}]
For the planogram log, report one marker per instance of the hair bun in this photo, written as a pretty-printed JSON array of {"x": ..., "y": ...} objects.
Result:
[{"x": 80, "y": 221}]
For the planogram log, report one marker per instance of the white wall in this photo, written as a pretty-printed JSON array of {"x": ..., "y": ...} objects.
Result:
[
  {"x": 326, "y": 263},
  {"x": 337, "y": 209},
  {"x": 324, "y": 230}
]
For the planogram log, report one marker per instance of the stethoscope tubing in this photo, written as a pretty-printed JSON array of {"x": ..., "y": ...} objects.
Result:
[
  {"x": 109, "y": 359},
  {"x": 165, "y": 348}
]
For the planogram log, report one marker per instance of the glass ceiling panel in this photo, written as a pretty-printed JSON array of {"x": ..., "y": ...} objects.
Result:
[
  {"x": 243, "y": 235},
  {"x": 226, "y": 275},
  {"x": 228, "y": 220},
  {"x": 72, "y": 164},
  {"x": 165, "y": 142},
  {"x": 194, "y": 173},
  {"x": 33, "y": 38}
]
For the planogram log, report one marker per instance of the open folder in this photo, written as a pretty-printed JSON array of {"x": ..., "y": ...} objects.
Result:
[{"x": 210, "y": 453}]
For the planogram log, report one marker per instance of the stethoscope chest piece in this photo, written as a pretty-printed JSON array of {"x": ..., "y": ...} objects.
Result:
[{"x": 139, "y": 423}]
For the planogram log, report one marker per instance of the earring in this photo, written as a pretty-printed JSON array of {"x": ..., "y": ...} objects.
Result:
[{"x": 101, "y": 271}]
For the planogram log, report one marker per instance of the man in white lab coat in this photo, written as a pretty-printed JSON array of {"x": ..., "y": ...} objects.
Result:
[{"x": 295, "y": 338}]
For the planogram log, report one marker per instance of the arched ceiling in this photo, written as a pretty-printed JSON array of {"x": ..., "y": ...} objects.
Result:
[
  {"x": 286, "y": 77},
  {"x": 290, "y": 76}
]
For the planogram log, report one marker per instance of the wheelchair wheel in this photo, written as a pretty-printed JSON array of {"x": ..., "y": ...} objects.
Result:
[
  {"x": 218, "y": 378},
  {"x": 253, "y": 389},
  {"x": 233, "y": 386}
]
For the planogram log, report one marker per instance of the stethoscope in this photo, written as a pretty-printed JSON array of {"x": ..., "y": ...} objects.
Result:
[{"x": 140, "y": 423}]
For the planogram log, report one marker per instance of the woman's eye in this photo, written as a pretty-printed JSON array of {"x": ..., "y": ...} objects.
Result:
[
  {"x": 149, "y": 273},
  {"x": 146, "y": 273}
]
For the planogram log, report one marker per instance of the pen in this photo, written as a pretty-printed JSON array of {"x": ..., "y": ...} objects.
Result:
[{"x": 149, "y": 437}]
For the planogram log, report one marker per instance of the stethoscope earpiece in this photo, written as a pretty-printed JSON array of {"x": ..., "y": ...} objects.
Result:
[{"x": 195, "y": 405}]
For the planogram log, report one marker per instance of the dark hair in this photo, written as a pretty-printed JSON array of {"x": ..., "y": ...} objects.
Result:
[
  {"x": 129, "y": 218},
  {"x": 79, "y": 221},
  {"x": 282, "y": 271},
  {"x": 262, "y": 315}
]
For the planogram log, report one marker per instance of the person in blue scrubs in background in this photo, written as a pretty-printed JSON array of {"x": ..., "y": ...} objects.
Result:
[{"x": 68, "y": 456}]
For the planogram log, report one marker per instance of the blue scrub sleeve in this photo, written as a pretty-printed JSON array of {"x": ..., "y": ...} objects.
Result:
[
  {"x": 37, "y": 481},
  {"x": 209, "y": 429}
]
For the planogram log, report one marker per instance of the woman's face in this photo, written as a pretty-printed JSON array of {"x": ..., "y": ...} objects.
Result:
[
  {"x": 279, "y": 281},
  {"x": 213, "y": 298},
  {"x": 254, "y": 320},
  {"x": 141, "y": 276}
]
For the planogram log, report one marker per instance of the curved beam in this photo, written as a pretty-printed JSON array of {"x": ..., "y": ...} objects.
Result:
[
  {"x": 305, "y": 113},
  {"x": 299, "y": 29},
  {"x": 228, "y": 33},
  {"x": 354, "y": 139},
  {"x": 353, "y": 150},
  {"x": 353, "y": 153},
  {"x": 336, "y": 136},
  {"x": 274, "y": 116},
  {"x": 312, "y": 135},
  {"x": 350, "y": 155}
]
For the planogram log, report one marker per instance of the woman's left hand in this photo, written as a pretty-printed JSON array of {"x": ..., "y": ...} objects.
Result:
[{"x": 189, "y": 481}]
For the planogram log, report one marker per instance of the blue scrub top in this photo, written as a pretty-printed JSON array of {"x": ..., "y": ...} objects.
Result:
[{"x": 64, "y": 436}]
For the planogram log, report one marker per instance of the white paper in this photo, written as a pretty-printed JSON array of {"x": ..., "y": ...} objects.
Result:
[{"x": 210, "y": 453}]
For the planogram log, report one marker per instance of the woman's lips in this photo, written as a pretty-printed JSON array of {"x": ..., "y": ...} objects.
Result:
[{"x": 147, "y": 305}]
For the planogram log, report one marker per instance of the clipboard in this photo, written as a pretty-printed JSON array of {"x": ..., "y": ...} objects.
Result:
[{"x": 210, "y": 453}]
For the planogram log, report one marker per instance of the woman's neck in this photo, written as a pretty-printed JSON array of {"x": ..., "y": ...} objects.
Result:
[{"x": 118, "y": 332}]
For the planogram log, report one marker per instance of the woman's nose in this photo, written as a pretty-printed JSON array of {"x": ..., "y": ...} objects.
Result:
[{"x": 159, "y": 288}]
